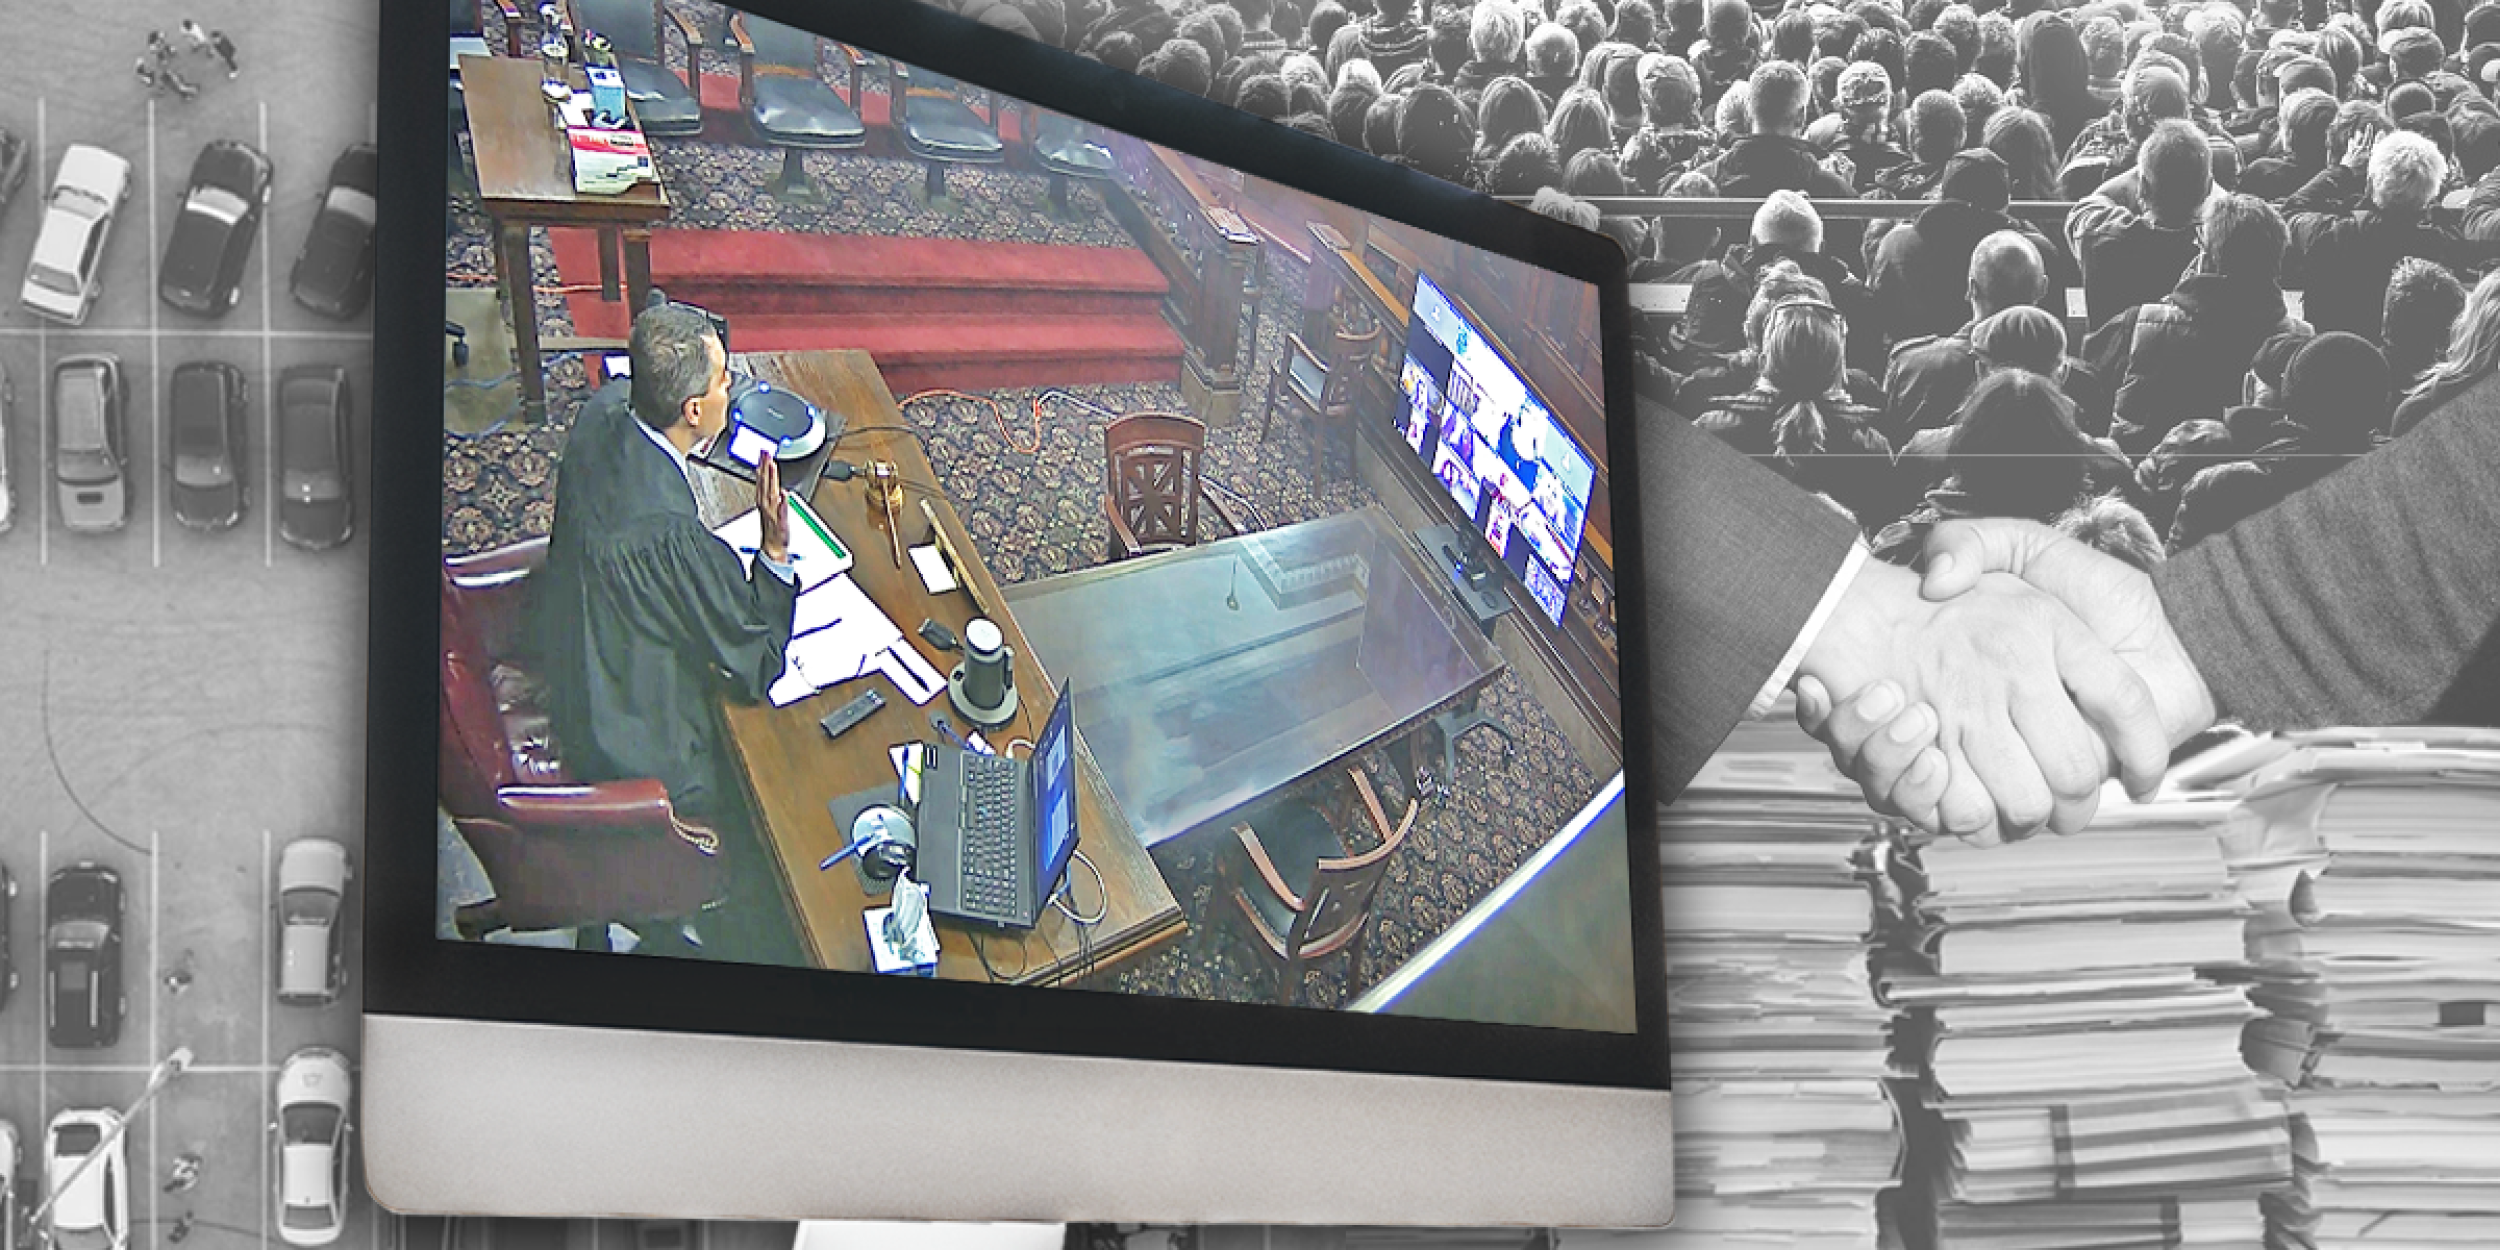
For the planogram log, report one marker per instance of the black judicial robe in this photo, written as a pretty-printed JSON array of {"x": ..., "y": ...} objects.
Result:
[{"x": 642, "y": 619}]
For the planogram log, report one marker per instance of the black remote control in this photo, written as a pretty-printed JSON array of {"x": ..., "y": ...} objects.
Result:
[{"x": 868, "y": 704}]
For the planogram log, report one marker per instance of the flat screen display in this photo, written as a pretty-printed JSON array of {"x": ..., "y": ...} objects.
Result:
[{"x": 1509, "y": 464}]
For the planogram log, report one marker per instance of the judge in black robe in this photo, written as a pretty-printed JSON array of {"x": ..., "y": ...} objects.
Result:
[{"x": 642, "y": 618}]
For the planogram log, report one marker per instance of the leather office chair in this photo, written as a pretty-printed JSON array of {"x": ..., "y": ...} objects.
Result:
[
  {"x": 1150, "y": 483},
  {"x": 1065, "y": 148},
  {"x": 788, "y": 105},
  {"x": 667, "y": 106},
  {"x": 561, "y": 853},
  {"x": 1302, "y": 895},
  {"x": 1321, "y": 390},
  {"x": 935, "y": 125}
]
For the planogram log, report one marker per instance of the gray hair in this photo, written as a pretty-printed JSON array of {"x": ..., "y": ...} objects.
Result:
[
  {"x": 1495, "y": 32},
  {"x": 671, "y": 363},
  {"x": 1788, "y": 218},
  {"x": 2405, "y": 170}
]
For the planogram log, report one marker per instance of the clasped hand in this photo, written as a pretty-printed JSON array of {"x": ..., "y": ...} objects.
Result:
[{"x": 1997, "y": 693}]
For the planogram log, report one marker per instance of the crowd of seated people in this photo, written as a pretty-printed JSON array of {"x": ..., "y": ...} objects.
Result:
[{"x": 2217, "y": 156}]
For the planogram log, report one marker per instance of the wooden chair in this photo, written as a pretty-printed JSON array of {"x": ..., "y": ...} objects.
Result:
[
  {"x": 1150, "y": 483},
  {"x": 1321, "y": 390},
  {"x": 1303, "y": 896}
]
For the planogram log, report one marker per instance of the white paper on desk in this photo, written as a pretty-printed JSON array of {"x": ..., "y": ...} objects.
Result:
[
  {"x": 910, "y": 674},
  {"x": 839, "y": 634},
  {"x": 931, "y": 564},
  {"x": 815, "y": 558}
]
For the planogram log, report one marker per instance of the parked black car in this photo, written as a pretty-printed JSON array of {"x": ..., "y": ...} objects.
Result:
[
  {"x": 333, "y": 275},
  {"x": 82, "y": 956},
  {"x": 316, "y": 483},
  {"x": 221, "y": 211},
  {"x": 91, "y": 442},
  {"x": 205, "y": 462}
]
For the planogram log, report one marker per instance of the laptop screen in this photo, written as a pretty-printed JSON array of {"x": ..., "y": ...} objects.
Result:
[{"x": 1054, "y": 793}]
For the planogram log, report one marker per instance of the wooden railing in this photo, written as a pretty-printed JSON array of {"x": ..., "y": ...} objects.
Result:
[{"x": 1211, "y": 259}]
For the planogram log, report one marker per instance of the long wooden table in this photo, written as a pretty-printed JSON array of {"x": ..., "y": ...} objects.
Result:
[
  {"x": 524, "y": 179},
  {"x": 793, "y": 771}
]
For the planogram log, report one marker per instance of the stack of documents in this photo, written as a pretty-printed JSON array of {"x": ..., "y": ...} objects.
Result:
[
  {"x": 1776, "y": 891},
  {"x": 2374, "y": 860},
  {"x": 2075, "y": 1013},
  {"x": 837, "y": 633}
]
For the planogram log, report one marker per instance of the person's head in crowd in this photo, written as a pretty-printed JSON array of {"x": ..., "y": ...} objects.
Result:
[
  {"x": 1646, "y": 160},
  {"x": 1255, "y": 15},
  {"x": 1319, "y": 30},
  {"x": 1388, "y": 13},
  {"x": 1778, "y": 102},
  {"x": 1629, "y": 233},
  {"x": 1360, "y": 70},
  {"x": 1835, "y": 32},
  {"x": 2434, "y": 127},
  {"x": 2005, "y": 272},
  {"x": 2021, "y": 139},
  {"x": 2241, "y": 237},
  {"x": 1823, "y": 78},
  {"x": 1977, "y": 178},
  {"x": 1880, "y": 47},
  {"x": 1776, "y": 284},
  {"x": 1230, "y": 23},
  {"x": 2056, "y": 76},
  {"x": 1683, "y": 240},
  {"x": 1732, "y": 119},
  {"x": 2409, "y": 99},
  {"x": 2219, "y": 35},
  {"x": 1315, "y": 125},
  {"x": 1405, "y": 78},
  {"x": 1524, "y": 164},
  {"x": 1958, "y": 25},
  {"x": 1447, "y": 43},
  {"x": 1119, "y": 50},
  {"x": 1980, "y": 99},
  {"x": 1433, "y": 134},
  {"x": 1508, "y": 109},
  {"x": 1347, "y": 46},
  {"x": 2024, "y": 337},
  {"x": 1996, "y": 49},
  {"x": 1936, "y": 129},
  {"x": 1636, "y": 23},
  {"x": 2341, "y": 51},
  {"x": 1579, "y": 123},
  {"x": 2110, "y": 525},
  {"x": 1553, "y": 57},
  {"x": 2405, "y": 172},
  {"x": 2154, "y": 95},
  {"x": 2356, "y": 121},
  {"x": 2396, "y": 15},
  {"x": 1585, "y": 22},
  {"x": 2016, "y": 447},
  {"x": 1380, "y": 126},
  {"x": 1729, "y": 24},
  {"x": 2424, "y": 301},
  {"x": 1202, "y": 29},
  {"x": 1788, "y": 220},
  {"x": 2481, "y": 25},
  {"x": 2190, "y": 448},
  {"x": 1622, "y": 90},
  {"x": 1927, "y": 64},
  {"x": 1792, "y": 37},
  {"x": 1496, "y": 35},
  {"x": 1865, "y": 99},
  {"x": 2176, "y": 169},
  {"x": 1264, "y": 95},
  {"x": 1302, "y": 67},
  {"x": 2179, "y": 48},
  {"x": 1670, "y": 94},
  {"x": 1883, "y": 14},
  {"x": 1304, "y": 100},
  {"x": 2473, "y": 347},
  {"x": 1685, "y": 19},
  {"x": 1802, "y": 367},
  {"x": 1348, "y": 107},
  {"x": 2413, "y": 53},
  {"x": 1594, "y": 174},
  {"x": 2303, "y": 73},
  {"x": 2272, "y": 16},
  {"x": 1551, "y": 202},
  {"x": 2338, "y": 389},
  {"x": 2304, "y": 120},
  {"x": 2262, "y": 388},
  {"x": 1182, "y": 63},
  {"x": 1598, "y": 62},
  {"x": 2478, "y": 142}
]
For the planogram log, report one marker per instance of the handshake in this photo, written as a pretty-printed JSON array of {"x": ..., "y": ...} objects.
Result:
[{"x": 1998, "y": 691}]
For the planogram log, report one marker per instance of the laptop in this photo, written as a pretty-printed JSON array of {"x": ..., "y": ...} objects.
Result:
[{"x": 996, "y": 833}]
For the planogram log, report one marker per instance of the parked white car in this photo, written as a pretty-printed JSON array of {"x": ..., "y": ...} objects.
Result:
[
  {"x": 312, "y": 889},
  {"x": 8, "y": 1186},
  {"x": 314, "y": 1094},
  {"x": 90, "y": 1201},
  {"x": 77, "y": 219}
]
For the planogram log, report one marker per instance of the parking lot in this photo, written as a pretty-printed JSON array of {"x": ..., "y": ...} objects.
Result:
[{"x": 179, "y": 705}]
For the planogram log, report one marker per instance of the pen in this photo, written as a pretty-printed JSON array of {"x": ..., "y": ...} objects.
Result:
[
  {"x": 838, "y": 856},
  {"x": 795, "y": 556}
]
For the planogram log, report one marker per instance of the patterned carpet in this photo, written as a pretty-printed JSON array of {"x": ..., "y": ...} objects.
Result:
[{"x": 1037, "y": 515}]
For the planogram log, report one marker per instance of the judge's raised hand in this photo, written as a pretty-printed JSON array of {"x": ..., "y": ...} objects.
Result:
[
  {"x": 773, "y": 511},
  {"x": 2111, "y": 597}
]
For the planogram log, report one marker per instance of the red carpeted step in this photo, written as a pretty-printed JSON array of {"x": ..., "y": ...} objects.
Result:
[{"x": 741, "y": 272}]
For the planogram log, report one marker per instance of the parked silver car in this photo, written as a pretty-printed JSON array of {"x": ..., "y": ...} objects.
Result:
[{"x": 77, "y": 220}]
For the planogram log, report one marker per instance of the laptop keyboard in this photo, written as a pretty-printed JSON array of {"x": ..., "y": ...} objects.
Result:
[{"x": 989, "y": 833}]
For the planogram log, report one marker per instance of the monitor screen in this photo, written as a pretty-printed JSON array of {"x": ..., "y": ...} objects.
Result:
[
  {"x": 1514, "y": 470},
  {"x": 1055, "y": 521}
]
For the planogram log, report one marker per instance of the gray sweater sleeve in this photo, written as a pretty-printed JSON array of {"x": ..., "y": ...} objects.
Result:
[{"x": 2364, "y": 599}]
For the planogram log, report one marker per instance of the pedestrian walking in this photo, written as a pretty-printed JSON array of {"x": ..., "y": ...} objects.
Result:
[
  {"x": 186, "y": 1174},
  {"x": 178, "y": 84},
  {"x": 148, "y": 75},
  {"x": 197, "y": 34},
  {"x": 224, "y": 48},
  {"x": 159, "y": 48}
]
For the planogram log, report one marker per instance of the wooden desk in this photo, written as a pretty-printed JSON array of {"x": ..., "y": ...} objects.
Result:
[
  {"x": 792, "y": 772},
  {"x": 525, "y": 178}
]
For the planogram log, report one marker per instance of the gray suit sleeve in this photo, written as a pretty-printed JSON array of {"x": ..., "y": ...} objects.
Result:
[
  {"x": 2366, "y": 599},
  {"x": 1734, "y": 560}
]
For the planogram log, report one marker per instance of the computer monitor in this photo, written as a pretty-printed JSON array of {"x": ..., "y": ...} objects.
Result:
[
  {"x": 640, "y": 733},
  {"x": 1054, "y": 784},
  {"x": 1513, "y": 469}
]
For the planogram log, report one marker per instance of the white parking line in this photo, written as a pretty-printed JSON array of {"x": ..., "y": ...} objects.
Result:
[
  {"x": 43, "y": 923},
  {"x": 156, "y": 417},
  {"x": 39, "y": 330},
  {"x": 156, "y": 918},
  {"x": 269, "y": 481},
  {"x": 267, "y": 957},
  {"x": 144, "y": 1069},
  {"x": 43, "y": 388}
]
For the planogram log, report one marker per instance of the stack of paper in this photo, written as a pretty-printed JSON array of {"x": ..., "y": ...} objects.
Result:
[
  {"x": 1776, "y": 891},
  {"x": 2374, "y": 860},
  {"x": 2080, "y": 1047},
  {"x": 837, "y": 632}
]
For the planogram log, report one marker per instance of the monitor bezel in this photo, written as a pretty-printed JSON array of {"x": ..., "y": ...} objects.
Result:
[{"x": 409, "y": 972}]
